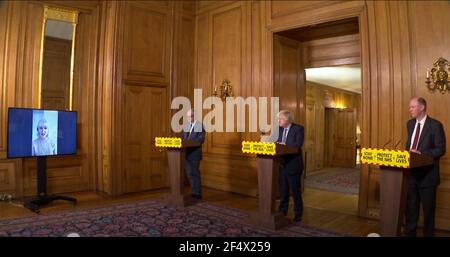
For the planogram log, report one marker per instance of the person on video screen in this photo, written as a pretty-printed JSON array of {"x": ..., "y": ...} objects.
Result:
[{"x": 43, "y": 145}]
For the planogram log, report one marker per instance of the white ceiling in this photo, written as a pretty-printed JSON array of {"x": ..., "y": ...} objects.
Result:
[{"x": 346, "y": 77}]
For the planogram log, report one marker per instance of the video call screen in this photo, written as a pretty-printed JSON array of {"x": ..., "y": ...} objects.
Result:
[{"x": 36, "y": 132}]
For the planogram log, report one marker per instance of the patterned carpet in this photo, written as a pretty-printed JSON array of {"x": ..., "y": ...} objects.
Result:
[
  {"x": 340, "y": 180},
  {"x": 148, "y": 219}
]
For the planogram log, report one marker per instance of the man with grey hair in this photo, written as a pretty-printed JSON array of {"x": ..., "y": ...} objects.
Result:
[
  {"x": 194, "y": 131},
  {"x": 291, "y": 165},
  {"x": 425, "y": 136}
]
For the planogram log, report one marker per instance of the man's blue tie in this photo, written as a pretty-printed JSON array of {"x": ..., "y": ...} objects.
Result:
[
  {"x": 283, "y": 139},
  {"x": 190, "y": 129}
]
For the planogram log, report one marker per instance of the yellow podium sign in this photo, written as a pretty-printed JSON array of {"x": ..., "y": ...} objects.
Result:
[
  {"x": 174, "y": 142},
  {"x": 259, "y": 148},
  {"x": 384, "y": 157}
]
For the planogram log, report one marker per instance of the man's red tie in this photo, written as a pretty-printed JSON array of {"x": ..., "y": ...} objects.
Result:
[{"x": 416, "y": 137}]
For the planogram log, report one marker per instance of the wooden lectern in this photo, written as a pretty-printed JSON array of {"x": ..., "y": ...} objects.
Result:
[
  {"x": 176, "y": 157},
  {"x": 268, "y": 168},
  {"x": 393, "y": 192}
]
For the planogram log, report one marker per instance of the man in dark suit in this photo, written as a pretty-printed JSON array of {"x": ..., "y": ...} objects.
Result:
[
  {"x": 291, "y": 165},
  {"x": 425, "y": 136},
  {"x": 194, "y": 131}
]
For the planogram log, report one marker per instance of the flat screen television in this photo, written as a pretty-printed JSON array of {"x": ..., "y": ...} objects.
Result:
[{"x": 37, "y": 132}]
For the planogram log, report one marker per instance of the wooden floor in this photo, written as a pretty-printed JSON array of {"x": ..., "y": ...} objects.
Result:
[
  {"x": 331, "y": 201},
  {"x": 326, "y": 210}
]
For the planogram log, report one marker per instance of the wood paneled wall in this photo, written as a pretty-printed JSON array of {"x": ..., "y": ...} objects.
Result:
[
  {"x": 318, "y": 98},
  {"x": 148, "y": 60},
  {"x": 224, "y": 50},
  {"x": 133, "y": 57},
  {"x": 146, "y": 81},
  {"x": 395, "y": 51},
  {"x": 9, "y": 27},
  {"x": 427, "y": 23},
  {"x": 20, "y": 32},
  {"x": 400, "y": 52},
  {"x": 289, "y": 76},
  {"x": 342, "y": 50}
]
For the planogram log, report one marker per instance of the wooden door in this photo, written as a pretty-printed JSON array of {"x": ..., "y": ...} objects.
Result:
[
  {"x": 341, "y": 128},
  {"x": 289, "y": 76},
  {"x": 145, "y": 165}
]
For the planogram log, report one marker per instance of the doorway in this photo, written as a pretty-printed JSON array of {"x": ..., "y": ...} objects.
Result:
[
  {"x": 340, "y": 135},
  {"x": 317, "y": 75}
]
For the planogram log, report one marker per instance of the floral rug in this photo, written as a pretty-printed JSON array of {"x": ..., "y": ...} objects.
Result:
[
  {"x": 340, "y": 180},
  {"x": 149, "y": 218}
]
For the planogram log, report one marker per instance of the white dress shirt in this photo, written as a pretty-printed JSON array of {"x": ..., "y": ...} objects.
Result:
[
  {"x": 285, "y": 133},
  {"x": 191, "y": 128},
  {"x": 422, "y": 123}
]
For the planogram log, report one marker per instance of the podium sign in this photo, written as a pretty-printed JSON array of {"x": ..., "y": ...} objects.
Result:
[
  {"x": 168, "y": 142},
  {"x": 385, "y": 157},
  {"x": 258, "y": 148}
]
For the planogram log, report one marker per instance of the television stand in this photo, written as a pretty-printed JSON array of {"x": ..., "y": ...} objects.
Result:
[{"x": 42, "y": 197}]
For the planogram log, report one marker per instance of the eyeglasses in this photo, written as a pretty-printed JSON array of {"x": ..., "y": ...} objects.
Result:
[{"x": 42, "y": 127}]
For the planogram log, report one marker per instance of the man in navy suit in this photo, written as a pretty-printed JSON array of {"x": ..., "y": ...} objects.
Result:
[
  {"x": 291, "y": 165},
  {"x": 425, "y": 136},
  {"x": 194, "y": 131}
]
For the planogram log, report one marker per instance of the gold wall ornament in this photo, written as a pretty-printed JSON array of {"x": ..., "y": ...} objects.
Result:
[
  {"x": 53, "y": 13},
  {"x": 439, "y": 76},
  {"x": 226, "y": 90}
]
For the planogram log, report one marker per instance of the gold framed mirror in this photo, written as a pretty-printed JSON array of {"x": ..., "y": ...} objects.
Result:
[{"x": 57, "y": 58}]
